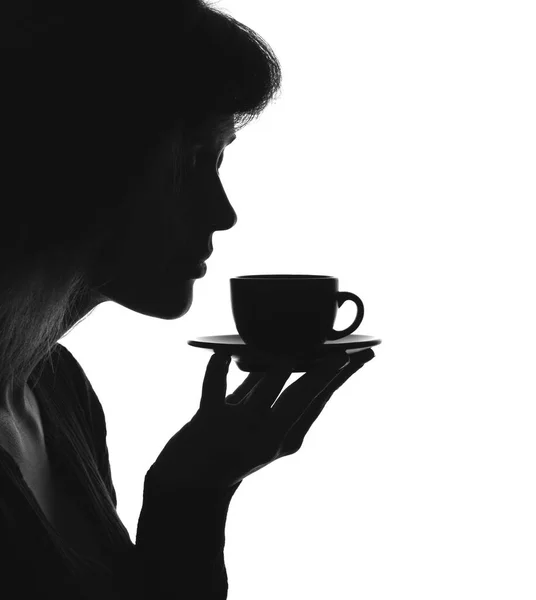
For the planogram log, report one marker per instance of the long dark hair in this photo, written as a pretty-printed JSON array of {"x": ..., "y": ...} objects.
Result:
[{"x": 88, "y": 91}]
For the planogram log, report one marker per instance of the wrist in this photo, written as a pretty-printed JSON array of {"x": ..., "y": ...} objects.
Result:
[{"x": 158, "y": 483}]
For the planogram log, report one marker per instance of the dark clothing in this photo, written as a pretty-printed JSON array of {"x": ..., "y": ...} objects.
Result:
[{"x": 180, "y": 538}]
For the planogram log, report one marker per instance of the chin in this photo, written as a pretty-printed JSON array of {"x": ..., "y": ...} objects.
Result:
[
  {"x": 171, "y": 305},
  {"x": 170, "y": 311},
  {"x": 179, "y": 311}
]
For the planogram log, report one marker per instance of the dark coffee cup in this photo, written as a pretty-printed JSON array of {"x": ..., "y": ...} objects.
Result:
[{"x": 289, "y": 314}]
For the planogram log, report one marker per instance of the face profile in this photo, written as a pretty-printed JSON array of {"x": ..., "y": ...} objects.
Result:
[{"x": 151, "y": 266}]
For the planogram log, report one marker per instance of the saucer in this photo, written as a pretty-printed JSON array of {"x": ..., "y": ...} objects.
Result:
[{"x": 250, "y": 360}]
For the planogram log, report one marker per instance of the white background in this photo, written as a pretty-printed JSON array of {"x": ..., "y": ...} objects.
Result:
[{"x": 400, "y": 158}]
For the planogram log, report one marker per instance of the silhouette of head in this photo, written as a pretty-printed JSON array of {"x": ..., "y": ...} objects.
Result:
[{"x": 116, "y": 117}]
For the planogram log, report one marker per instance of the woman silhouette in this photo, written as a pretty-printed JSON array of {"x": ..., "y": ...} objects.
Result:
[{"x": 115, "y": 121}]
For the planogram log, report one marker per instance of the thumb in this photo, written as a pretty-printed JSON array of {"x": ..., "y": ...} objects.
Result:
[{"x": 215, "y": 381}]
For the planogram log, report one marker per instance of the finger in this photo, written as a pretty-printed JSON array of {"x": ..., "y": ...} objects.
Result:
[
  {"x": 362, "y": 357},
  {"x": 244, "y": 388},
  {"x": 297, "y": 397},
  {"x": 215, "y": 381},
  {"x": 266, "y": 391},
  {"x": 301, "y": 426}
]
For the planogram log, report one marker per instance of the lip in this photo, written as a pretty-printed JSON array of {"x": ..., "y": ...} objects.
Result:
[
  {"x": 196, "y": 267},
  {"x": 198, "y": 271},
  {"x": 204, "y": 257}
]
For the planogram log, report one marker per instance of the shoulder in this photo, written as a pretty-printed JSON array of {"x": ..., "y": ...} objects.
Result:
[
  {"x": 72, "y": 371},
  {"x": 78, "y": 379},
  {"x": 65, "y": 360},
  {"x": 69, "y": 388}
]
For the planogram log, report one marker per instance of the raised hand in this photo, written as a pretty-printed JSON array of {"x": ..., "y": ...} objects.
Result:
[{"x": 232, "y": 436}]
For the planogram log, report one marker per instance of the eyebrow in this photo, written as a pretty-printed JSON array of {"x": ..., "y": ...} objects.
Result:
[
  {"x": 222, "y": 128},
  {"x": 219, "y": 130}
]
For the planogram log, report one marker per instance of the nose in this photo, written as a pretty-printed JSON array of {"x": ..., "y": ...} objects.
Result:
[
  {"x": 224, "y": 216},
  {"x": 230, "y": 221}
]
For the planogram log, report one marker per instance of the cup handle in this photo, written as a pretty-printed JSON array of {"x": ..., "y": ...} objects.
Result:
[{"x": 341, "y": 299}]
